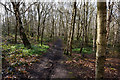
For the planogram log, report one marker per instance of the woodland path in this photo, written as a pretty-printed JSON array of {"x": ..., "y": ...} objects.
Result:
[{"x": 51, "y": 64}]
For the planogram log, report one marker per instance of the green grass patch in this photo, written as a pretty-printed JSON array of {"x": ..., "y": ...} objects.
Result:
[
  {"x": 87, "y": 50},
  {"x": 19, "y": 48},
  {"x": 16, "y": 55}
]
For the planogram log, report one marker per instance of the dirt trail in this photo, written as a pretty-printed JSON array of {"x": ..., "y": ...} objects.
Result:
[{"x": 50, "y": 65}]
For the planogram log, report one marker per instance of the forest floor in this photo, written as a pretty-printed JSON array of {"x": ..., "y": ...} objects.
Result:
[
  {"x": 54, "y": 64},
  {"x": 51, "y": 64}
]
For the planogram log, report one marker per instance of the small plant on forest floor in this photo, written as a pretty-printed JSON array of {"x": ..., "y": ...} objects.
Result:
[
  {"x": 15, "y": 52},
  {"x": 18, "y": 56},
  {"x": 87, "y": 50},
  {"x": 36, "y": 49}
]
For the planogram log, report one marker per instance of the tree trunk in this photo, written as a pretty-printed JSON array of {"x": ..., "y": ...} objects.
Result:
[
  {"x": 52, "y": 30},
  {"x": 19, "y": 22},
  {"x": 110, "y": 8},
  {"x": 66, "y": 30},
  {"x": 8, "y": 31},
  {"x": 95, "y": 35},
  {"x": 85, "y": 24},
  {"x": 118, "y": 31},
  {"x": 60, "y": 23},
  {"x": 78, "y": 29},
  {"x": 71, "y": 34},
  {"x": 42, "y": 34},
  {"x": 38, "y": 29},
  {"x": 8, "y": 26},
  {"x": 16, "y": 32},
  {"x": 101, "y": 39}
]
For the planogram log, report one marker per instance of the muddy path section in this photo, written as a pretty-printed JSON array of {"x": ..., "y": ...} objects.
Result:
[{"x": 51, "y": 64}]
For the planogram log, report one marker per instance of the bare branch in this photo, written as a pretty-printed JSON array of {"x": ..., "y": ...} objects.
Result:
[
  {"x": 6, "y": 7},
  {"x": 29, "y": 7}
]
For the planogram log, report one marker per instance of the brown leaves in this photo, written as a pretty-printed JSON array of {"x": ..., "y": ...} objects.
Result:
[
  {"x": 18, "y": 64},
  {"x": 85, "y": 67}
]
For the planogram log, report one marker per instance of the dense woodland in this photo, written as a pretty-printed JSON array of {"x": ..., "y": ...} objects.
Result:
[{"x": 69, "y": 39}]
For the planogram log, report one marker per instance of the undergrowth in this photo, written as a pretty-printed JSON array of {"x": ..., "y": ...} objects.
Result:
[{"x": 87, "y": 50}]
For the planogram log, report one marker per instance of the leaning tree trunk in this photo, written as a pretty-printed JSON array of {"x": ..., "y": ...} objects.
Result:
[
  {"x": 73, "y": 27},
  {"x": 71, "y": 34},
  {"x": 19, "y": 22},
  {"x": 101, "y": 39}
]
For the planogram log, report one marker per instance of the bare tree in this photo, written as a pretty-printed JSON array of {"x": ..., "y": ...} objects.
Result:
[
  {"x": 16, "y": 6},
  {"x": 71, "y": 34}
]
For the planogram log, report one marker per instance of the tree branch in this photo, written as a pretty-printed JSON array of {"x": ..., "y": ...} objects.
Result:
[
  {"x": 6, "y": 7},
  {"x": 29, "y": 7}
]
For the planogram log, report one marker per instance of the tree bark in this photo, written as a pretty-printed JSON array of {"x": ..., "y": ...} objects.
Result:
[
  {"x": 101, "y": 39},
  {"x": 52, "y": 29},
  {"x": 42, "y": 34},
  {"x": 38, "y": 30},
  {"x": 86, "y": 23},
  {"x": 118, "y": 31},
  {"x": 19, "y": 22},
  {"x": 66, "y": 30},
  {"x": 8, "y": 31},
  {"x": 71, "y": 34},
  {"x": 110, "y": 8},
  {"x": 95, "y": 35},
  {"x": 78, "y": 31},
  {"x": 16, "y": 30}
]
